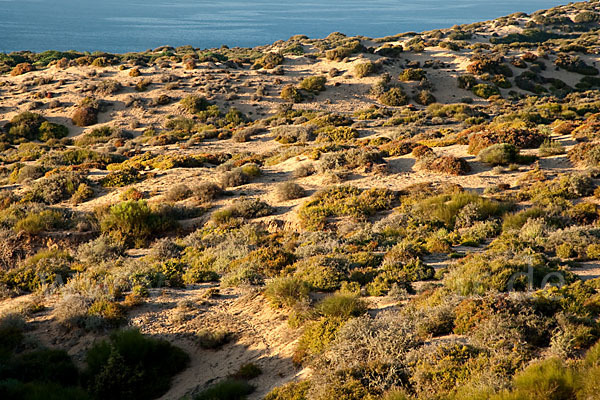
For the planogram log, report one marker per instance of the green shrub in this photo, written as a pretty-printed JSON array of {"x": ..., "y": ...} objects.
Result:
[
  {"x": 50, "y": 130},
  {"x": 364, "y": 69},
  {"x": 100, "y": 134},
  {"x": 120, "y": 178},
  {"x": 43, "y": 365},
  {"x": 269, "y": 61},
  {"x": 393, "y": 97},
  {"x": 12, "y": 328},
  {"x": 565, "y": 186},
  {"x": 133, "y": 222},
  {"x": 104, "y": 313},
  {"x": 315, "y": 338},
  {"x": 585, "y": 17},
  {"x": 398, "y": 276},
  {"x": 442, "y": 368},
  {"x": 77, "y": 157},
  {"x": 47, "y": 267},
  {"x": 499, "y": 154},
  {"x": 25, "y": 173},
  {"x": 132, "y": 366},
  {"x": 425, "y": 97},
  {"x": 42, "y": 221},
  {"x": 344, "y": 51},
  {"x": 54, "y": 188},
  {"x": 339, "y": 134},
  {"x": 199, "y": 274},
  {"x": 172, "y": 272},
  {"x": 25, "y": 125},
  {"x": 343, "y": 201},
  {"x": 412, "y": 74},
  {"x": 229, "y": 389},
  {"x": 445, "y": 208},
  {"x": 314, "y": 84},
  {"x": 291, "y": 93},
  {"x": 235, "y": 117},
  {"x": 485, "y": 90},
  {"x": 492, "y": 270},
  {"x": 194, "y": 104},
  {"x": 548, "y": 380},
  {"x": 84, "y": 192},
  {"x": 290, "y": 391},
  {"x": 321, "y": 273}
]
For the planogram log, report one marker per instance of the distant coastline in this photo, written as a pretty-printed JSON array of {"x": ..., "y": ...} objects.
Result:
[{"x": 120, "y": 27}]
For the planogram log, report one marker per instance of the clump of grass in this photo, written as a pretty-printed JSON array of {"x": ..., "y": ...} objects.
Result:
[
  {"x": 286, "y": 291},
  {"x": 342, "y": 306},
  {"x": 551, "y": 148}
]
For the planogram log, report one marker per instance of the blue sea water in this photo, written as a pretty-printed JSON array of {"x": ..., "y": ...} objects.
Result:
[{"x": 134, "y": 25}]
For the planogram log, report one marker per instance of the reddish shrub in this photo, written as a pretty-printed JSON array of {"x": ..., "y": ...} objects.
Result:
[
  {"x": 522, "y": 138},
  {"x": 21, "y": 69},
  {"x": 422, "y": 151},
  {"x": 85, "y": 116}
]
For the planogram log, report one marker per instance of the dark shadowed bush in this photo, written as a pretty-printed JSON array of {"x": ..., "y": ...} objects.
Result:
[
  {"x": 229, "y": 389},
  {"x": 132, "y": 366}
]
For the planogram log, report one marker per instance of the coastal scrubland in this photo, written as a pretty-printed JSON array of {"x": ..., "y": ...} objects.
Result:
[{"x": 408, "y": 217}]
